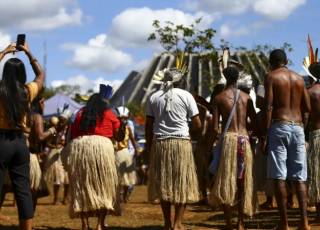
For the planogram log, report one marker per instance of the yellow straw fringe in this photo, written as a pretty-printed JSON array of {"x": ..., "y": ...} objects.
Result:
[
  {"x": 91, "y": 167},
  {"x": 172, "y": 174},
  {"x": 224, "y": 189}
]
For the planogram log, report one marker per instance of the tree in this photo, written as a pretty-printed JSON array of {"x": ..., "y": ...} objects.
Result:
[{"x": 181, "y": 38}]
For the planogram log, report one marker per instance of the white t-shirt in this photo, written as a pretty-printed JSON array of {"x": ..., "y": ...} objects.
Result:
[{"x": 174, "y": 122}]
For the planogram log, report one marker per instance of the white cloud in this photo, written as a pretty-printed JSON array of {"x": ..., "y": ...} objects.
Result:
[
  {"x": 86, "y": 83},
  {"x": 98, "y": 54},
  {"x": 234, "y": 29},
  {"x": 62, "y": 18},
  {"x": 39, "y": 14},
  {"x": 133, "y": 26},
  {"x": 220, "y": 6},
  {"x": 275, "y": 9}
]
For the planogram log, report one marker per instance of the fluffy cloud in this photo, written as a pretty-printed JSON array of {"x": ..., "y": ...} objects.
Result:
[
  {"x": 39, "y": 14},
  {"x": 86, "y": 83},
  {"x": 5, "y": 40},
  {"x": 133, "y": 26},
  {"x": 98, "y": 54},
  {"x": 273, "y": 9},
  {"x": 220, "y": 6},
  {"x": 233, "y": 29}
]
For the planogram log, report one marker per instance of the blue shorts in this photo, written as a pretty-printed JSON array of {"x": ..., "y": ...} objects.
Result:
[{"x": 287, "y": 157}]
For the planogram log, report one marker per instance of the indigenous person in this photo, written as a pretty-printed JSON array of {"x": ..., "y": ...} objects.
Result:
[
  {"x": 286, "y": 101},
  {"x": 55, "y": 172},
  {"x": 233, "y": 179},
  {"x": 124, "y": 159},
  {"x": 314, "y": 139},
  {"x": 36, "y": 143},
  {"x": 262, "y": 184},
  {"x": 15, "y": 99},
  {"x": 172, "y": 171},
  {"x": 90, "y": 160}
]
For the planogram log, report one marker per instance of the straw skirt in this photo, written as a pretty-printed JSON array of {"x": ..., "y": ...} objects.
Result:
[
  {"x": 172, "y": 172},
  {"x": 54, "y": 170},
  {"x": 90, "y": 163},
  {"x": 224, "y": 190},
  {"x": 35, "y": 172},
  {"x": 126, "y": 169},
  {"x": 314, "y": 166}
]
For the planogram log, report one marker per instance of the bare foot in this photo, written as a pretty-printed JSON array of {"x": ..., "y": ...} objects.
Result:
[
  {"x": 240, "y": 226},
  {"x": 4, "y": 217},
  {"x": 266, "y": 205},
  {"x": 304, "y": 228},
  {"x": 281, "y": 228}
]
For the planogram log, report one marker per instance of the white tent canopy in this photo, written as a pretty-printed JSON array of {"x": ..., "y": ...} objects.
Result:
[{"x": 54, "y": 105}]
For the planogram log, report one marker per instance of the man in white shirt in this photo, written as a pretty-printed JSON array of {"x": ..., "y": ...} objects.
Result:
[{"x": 172, "y": 173}]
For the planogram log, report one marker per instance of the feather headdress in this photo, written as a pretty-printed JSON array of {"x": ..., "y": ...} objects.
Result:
[
  {"x": 168, "y": 76},
  {"x": 311, "y": 58}
]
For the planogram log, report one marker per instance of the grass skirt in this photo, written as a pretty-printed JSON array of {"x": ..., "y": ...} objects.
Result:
[
  {"x": 90, "y": 163},
  {"x": 35, "y": 172},
  {"x": 172, "y": 172},
  {"x": 314, "y": 167},
  {"x": 126, "y": 169},
  {"x": 55, "y": 173},
  {"x": 224, "y": 190}
]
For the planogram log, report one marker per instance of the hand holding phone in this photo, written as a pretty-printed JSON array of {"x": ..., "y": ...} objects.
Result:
[{"x": 21, "y": 39}]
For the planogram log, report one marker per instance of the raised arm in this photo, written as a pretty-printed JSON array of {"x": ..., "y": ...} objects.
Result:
[
  {"x": 40, "y": 76},
  {"x": 9, "y": 49},
  {"x": 42, "y": 135}
]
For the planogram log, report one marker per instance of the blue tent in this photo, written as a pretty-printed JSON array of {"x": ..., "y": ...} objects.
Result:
[{"x": 54, "y": 105}]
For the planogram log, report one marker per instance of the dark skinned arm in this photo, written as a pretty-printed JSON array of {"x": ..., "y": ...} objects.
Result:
[
  {"x": 40, "y": 76},
  {"x": 41, "y": 135},
  {"x": 268, "y": 104},
  {"x": 215, "y": 120},
  {"x": 306, "y": 107},
  {"x": 253, "y": 116}
]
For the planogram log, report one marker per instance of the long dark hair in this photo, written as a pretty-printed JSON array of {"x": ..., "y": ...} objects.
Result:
[
  {"x": 93, "y": 112},
  {"x": 13, "y": 94}
]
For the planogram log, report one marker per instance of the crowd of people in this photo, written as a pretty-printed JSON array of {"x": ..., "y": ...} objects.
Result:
[{"x": 220, "y": 153}]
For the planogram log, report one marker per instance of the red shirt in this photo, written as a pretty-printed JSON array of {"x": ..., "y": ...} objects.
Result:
[{"x": 104, "y": 127}]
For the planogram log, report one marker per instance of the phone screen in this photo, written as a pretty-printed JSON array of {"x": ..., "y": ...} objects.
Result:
[{"x": 21, "y": 38}]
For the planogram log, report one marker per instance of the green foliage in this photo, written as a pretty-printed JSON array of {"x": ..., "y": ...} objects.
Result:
[
  {"x": 136, "y": 109},
  {"x": 181, "y": 38},
  {"x": 70, "y": 90}
]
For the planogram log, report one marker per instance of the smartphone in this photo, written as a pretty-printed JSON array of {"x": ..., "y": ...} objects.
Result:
[{"x": 21, "y": 38}]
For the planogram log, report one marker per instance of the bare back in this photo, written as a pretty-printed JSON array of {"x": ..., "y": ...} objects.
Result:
[
  {"x": 244, "y": 108},
  {"x": 287, "y": 94},
  {"x": 314, "y": 93}
]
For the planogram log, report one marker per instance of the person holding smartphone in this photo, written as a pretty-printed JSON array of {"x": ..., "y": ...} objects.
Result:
[{"x": 15, "y": 99}]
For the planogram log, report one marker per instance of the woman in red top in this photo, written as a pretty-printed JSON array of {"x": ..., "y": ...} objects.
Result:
[{"x": 90, "y": 161}]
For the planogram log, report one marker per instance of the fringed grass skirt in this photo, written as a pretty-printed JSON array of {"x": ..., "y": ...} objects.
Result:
[
  {"x": 224, "y": 190},
  {"x": 55, "y": 173},
  {"x": 35, "y": 172},
  {"x": 90, "y": 163},
  {"x": 126, "y": 169},
  {"x": 172, "y": 172},
  {"x": 314, "y": 166}
]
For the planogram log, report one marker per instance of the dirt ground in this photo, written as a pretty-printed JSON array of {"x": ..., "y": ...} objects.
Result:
[{"x": 140, "y": 215}]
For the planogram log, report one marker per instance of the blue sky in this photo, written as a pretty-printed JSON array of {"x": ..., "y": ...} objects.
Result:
[{"x": 92, "y": 42}]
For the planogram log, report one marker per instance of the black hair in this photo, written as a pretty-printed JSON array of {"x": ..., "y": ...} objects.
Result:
[
  {"x": 93, "y": 112},
  {"x": 231, "y": 74},
  {"x": 314, "y": 69},
  {"x": 278, "y": 57},
  {"x": 13, "y": 94},
  {"x": 35, "y": 105}
]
